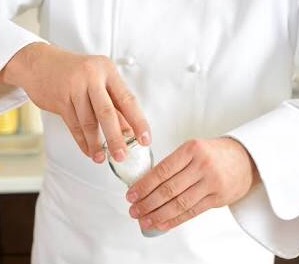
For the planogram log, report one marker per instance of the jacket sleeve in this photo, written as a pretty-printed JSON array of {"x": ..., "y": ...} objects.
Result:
[
  {"x": 270, "y": 212},
  {"x": 13, "y": 38}
]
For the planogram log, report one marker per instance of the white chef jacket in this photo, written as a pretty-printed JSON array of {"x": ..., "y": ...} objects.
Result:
[{"x": 200, "y": 69}]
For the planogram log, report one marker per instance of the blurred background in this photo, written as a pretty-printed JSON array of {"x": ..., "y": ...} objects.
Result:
[{"x": 21, "y": 170}]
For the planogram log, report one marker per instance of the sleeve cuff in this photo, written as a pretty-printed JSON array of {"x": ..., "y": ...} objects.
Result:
[
  {"x": 270, "y": 212},
  {"x": 273, "y": 142},
  {"x": 11, "y": 97},
  {"x": 15, "y": 39},
  {"x": 256, "y": 217}
]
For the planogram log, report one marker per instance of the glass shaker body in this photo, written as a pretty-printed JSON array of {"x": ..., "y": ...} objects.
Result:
[{"x": 139, "y": 160}]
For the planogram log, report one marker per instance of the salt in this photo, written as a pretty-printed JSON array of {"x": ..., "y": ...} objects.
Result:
[{"x": 139, "y": 161}]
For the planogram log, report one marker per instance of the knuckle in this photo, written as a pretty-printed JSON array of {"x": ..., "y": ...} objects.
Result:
[
  {"x": 162, "y": 170},
  {"x": 195, "y": 145},
  {"x": 140, "y": 125},
  {"x": 177, "y": 220},
  {"x": 75, "y": 98},
  {"x": 142, "y": 208},
  {"x": 127, "y": 98},
  {"x": 127, "y": 131},
  {"x": 106, "y": 63},
  {"x": 106, "y": 112},
  {"x": 167, "y": 190},
  {"x": 115, "y": 142},
  {"x": 157, "y": 218},
  {"x": 88, "y": 64},
  {"x": 90, "y": 126},
  {"x": 96, "y": 65},
  {"x": 76, "y": 129},
  {"x": 104, "y": 59},
  {"x": 192, "y": 212},
  {"x": 208, "y": 164},
  {"x": 206, "y": 204},
  {"x": 181, "y": 204},
  {"x": 140, "y": 188}
]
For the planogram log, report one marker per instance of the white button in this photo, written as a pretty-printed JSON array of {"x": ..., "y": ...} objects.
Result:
[
  {"x": 128, "y": 61},
  {"x": 195, "y": 68}
]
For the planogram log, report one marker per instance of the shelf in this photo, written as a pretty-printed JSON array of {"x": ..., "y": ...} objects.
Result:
[
  {"x": 20, "y": 144},
  {"x": 21, "y": 164}
]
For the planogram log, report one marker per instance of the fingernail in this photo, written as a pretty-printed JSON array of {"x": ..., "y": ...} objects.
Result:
[
  {"x": 128, "y": 133},
  {"x": 145, "y": 138},
  {"x": 99, "y": 157},
  {"x": 132, "y": 197},
  {"x": 146, "y": 223},
  {"x": 134, "y": 212},
  {"x": 119, "y": 155}
]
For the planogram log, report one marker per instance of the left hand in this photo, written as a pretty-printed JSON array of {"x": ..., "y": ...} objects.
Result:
[{"x": 199, "y": 175}]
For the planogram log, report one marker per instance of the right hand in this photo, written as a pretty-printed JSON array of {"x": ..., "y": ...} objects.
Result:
[{"x": 86, "y": 91}]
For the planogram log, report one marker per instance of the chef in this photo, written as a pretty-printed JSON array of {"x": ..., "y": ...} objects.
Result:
[{"x": 207, "y": 83}]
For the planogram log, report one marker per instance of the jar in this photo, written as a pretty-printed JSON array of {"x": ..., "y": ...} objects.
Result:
[{"x": 139, "y": 160}]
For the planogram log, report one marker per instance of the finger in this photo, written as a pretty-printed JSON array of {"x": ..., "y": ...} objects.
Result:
[
  {"x": 167, "y": 191},
  {"x": 177, "y": 206},
  {"x": 202, "y": 206},
  {"x": 71, "y": 120},
  {"x": 167, "y": 168},
  {"x": 126, "y": 129},
  {"x": 106, "y": 114},
  {"x": 127, "y": 104},
  {"x": 89, "y": 125}
]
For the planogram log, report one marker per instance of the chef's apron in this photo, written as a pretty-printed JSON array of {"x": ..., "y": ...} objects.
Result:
[{"x": 82, "y": 217}]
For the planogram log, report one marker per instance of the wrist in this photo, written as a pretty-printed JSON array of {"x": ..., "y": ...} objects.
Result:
[
  {"x": 251, "y": 168},
  {"x": 254, "y": 173},
  {"x": 22, "y": 66}
]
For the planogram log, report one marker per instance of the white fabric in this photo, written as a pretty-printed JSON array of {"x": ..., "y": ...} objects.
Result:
[
  {"x": 13, "y": 38},
  {"x": 266, "y": 133},
  {"x": 199, "y": 69},
  {"x": 11, "y": 97},
  {"x": 275, "y": 132}
]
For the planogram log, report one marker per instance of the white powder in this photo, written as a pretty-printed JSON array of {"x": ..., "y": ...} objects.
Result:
[
  {"x": 136, "y": 164},
  {"x": 139, "y": 161}
]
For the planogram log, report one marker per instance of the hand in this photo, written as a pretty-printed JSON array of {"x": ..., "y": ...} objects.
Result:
[
  {"x": 86, "y": 91},
  {"x": 199, "y": 175}
]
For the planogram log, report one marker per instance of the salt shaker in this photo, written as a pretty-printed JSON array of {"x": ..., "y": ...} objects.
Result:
[{"x": 139, "y": 160}]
